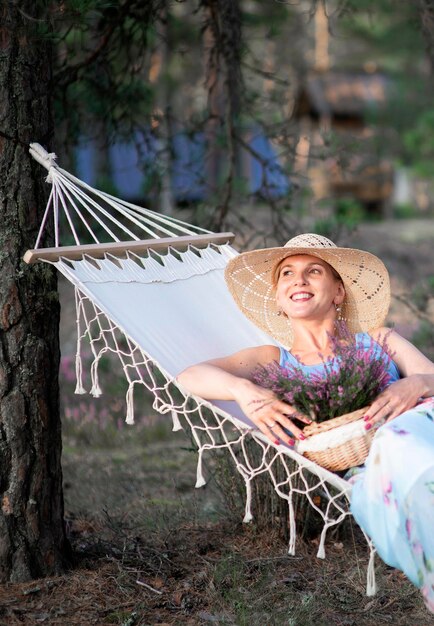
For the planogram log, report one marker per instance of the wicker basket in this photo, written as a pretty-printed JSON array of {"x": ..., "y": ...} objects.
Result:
[{"x": 338, "y": 443}]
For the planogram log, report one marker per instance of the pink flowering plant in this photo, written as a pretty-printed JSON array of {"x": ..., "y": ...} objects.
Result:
[{"x": 348, "y": 381}]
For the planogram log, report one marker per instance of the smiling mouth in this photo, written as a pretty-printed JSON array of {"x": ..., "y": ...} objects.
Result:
[{"x": 300, "y": 297}]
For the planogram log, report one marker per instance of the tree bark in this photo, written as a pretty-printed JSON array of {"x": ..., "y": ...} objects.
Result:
[
  {"x": 32, "y": 534},
  {"x": 223, "y": 44},
  {"x": 426, "y": 13}
]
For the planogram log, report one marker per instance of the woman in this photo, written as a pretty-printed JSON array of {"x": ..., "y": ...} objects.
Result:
[{"x": 296, "y": 294}]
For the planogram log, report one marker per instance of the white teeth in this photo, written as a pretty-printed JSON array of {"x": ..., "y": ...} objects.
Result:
[{"x": 301, "y": 296}]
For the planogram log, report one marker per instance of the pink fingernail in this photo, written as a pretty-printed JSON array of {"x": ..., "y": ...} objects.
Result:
[
  {"x": 276, "y": 441},
  {"x": 301, "y": 436},
  {"x": 291, "y": 442},
  {"x": 368, "y": 426},
  {"x": 366, "y": 418}
]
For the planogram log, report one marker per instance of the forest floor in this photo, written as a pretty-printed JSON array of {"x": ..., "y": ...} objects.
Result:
[{"x": 149, "y": 548}]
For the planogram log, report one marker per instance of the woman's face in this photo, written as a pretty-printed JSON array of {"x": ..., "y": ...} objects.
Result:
[{"x": 307, "y": 288}]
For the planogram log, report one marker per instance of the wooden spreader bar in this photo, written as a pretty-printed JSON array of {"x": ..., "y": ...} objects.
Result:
[{"x": 120, "y": 249}]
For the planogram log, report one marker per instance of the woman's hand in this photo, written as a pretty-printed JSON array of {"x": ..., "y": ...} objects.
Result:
[
  {"x": 268, "y": 413},
  {"x": 397, "y": 398},
  {"x": 229, "y": 378}
]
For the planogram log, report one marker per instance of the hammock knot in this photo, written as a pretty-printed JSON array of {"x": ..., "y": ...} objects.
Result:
[
  {"x": 47, "y": 159},
  {"x": 161, "y": 407}
]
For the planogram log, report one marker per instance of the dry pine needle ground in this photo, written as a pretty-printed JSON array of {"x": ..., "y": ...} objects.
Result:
[{"x": 157, "y": 561}]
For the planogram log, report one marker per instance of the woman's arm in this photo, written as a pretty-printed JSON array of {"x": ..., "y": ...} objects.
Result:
[
  {"x": 217, "y": 379},
  {"x": 417, "y": 380},
  {"x": 229, "y": 378}
]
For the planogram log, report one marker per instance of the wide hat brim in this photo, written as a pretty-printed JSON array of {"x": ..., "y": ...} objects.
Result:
[{"x": 365, "y": 278}]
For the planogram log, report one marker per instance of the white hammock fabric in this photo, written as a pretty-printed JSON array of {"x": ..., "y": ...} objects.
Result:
[{"x": 160, "y": 310}]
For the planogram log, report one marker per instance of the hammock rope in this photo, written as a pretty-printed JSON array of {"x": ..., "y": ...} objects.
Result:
[
  {"x": 161, "y": 309},
  {"x": 99, "y": 204}
]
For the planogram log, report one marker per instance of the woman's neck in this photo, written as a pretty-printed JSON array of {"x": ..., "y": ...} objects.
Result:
[{"x": 312, "y": 340}]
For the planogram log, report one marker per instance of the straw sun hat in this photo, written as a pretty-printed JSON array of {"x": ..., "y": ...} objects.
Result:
[{"x": 365, "y": 278}]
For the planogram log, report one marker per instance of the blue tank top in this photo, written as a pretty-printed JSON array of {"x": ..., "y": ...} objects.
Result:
[{"x": 363, "y": 340}]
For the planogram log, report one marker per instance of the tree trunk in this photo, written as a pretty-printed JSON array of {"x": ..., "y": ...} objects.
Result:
[
  {"x": 426, "y": 13},
  {"x": 32, "y": 535},
  {"x": 164, "y": 133},
  {"x": 223, "y": 44}
]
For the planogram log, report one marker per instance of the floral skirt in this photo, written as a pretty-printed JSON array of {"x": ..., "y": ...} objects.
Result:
[{"x": 393, "y": 496}]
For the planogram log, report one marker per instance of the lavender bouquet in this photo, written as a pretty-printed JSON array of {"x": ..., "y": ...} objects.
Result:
[{"x": 350, "y": 380}]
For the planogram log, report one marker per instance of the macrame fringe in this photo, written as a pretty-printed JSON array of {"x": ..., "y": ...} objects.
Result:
[
  {"x": 248, "y": 508},
  {"x": 200, "y": 480},
  {"x": 321, "y": 548},
  {"x": 371, "y": 583},
  {"x": 130, "y": 404},
  {"x": 96, "y": 389},
  {"x": 79, "y": 389},
  {"x": 292, "y": 527},
  {"x": 176, "y": 422}
]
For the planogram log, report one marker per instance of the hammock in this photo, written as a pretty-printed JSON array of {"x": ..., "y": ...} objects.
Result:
[{"x": 150, "y": 289}]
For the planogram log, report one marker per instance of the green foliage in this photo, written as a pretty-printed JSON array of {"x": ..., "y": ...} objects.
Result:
[
  {"x": 392, "y": 37},
  {"x": 349, "y": 212},
  {"x": 101, "y": 52},
  {"x": 419, "y": 142},
  {"x": 96, "y": 101},
  {"x": 124, "y": 66},
  {"x": 330, "y": 227},
  {"x": 392, "y": 41},
  {"x": 404, "y": 211},
  {"x": 273, "y": 16},
  {"x": 182, "y": 31},
  {"x": 106, "y": 184}
]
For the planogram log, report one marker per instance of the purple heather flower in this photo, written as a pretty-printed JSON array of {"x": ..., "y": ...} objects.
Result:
[{"x": 351, "y": 379}]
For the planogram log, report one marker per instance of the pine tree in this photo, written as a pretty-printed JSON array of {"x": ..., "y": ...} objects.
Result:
[{"x": 32, "y": 533}]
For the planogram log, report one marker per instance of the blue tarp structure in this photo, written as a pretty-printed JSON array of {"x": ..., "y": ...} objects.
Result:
[
  {"x": 188, "y": 167},
  {"x": 136, "y": 167},
  {"x": 267, "y": 177}
]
